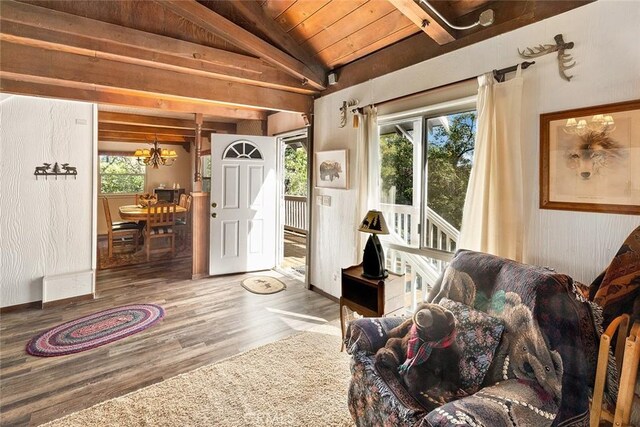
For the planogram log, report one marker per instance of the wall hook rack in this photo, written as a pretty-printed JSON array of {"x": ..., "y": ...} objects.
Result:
[{"x": 47, "y": 170}]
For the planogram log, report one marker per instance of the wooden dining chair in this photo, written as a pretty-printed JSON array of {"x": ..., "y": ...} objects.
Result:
[
  {"x": 182, "y": 219},
  {"x": 121, "y": 232},
  {"x": 185, "y": 202},
  {"x": 627, "y": 357},
  {"x": 160, "y": 225}
]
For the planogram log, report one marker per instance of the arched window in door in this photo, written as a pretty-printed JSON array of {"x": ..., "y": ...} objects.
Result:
[{"x": 242, "y": 150}]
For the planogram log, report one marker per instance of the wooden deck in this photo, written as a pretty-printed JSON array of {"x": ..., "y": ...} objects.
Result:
[
  {"x": 206, "y": 320},
  {"x": 295, "y": 251}
]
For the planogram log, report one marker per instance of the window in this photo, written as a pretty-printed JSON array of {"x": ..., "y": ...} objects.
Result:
[
  {"x": 424, "y": 165},
  {"x": 205, "y": 168},
  {"x": 426, "y": 204},
  {"x": 400, "y": 159},
  {"x": 121, "y": 175},
  {"x": 242, "y": 150},
  {"x": 450, "y": 144}
]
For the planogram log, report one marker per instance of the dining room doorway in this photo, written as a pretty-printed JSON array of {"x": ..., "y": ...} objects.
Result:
[{"x": 129, "y": 177}]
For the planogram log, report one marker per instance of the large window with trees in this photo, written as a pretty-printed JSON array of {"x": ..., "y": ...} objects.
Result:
[
  {"x": 120, "y": 174},
  {"x": 425, "y": 164}
]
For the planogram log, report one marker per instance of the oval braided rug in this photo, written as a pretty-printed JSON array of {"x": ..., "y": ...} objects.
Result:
[{"x": 95, "y": 330}]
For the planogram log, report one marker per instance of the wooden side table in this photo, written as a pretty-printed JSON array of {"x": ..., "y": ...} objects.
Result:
[{"x": 370, "y": 297}]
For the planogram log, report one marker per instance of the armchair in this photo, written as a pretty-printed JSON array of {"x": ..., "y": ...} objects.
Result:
[{"x": 541, "y": 370}]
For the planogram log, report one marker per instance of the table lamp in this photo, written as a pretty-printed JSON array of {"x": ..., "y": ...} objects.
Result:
[{"x": 373, "y": 257}]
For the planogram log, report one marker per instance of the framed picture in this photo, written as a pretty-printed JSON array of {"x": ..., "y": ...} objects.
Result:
[
  {"x": 590, "y": 159},
  {"x": 332, "y": 169}
]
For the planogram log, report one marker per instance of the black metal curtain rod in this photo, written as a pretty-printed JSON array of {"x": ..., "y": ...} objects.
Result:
[{"x": 497, "y": 74}]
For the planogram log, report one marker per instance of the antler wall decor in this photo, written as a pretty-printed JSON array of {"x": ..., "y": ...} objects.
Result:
[
  {"x": 564, "y": 59},
  {"x": 344, "y": 109}
]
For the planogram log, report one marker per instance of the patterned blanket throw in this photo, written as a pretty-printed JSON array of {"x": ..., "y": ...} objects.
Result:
[
  {"x": 548, "y": 347},
  {"x": 617, "y": 289},
  {"x": 541, "y": 372}
]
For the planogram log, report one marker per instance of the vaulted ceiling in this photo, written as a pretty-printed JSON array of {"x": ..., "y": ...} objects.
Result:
[{"x": 230, "y": 60}]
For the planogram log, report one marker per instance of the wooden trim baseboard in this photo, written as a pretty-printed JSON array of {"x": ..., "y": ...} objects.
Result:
[
  {"x": 66, "y": 301},
  {"x": 323, "y": 293},
  {"x": 19, "y": 307}
]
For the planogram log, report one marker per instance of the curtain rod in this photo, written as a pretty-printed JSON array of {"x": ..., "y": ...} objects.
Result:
[{"x": 497, "y": 74}]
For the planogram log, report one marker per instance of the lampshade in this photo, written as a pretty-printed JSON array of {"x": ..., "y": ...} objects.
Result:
[
  {"x": 156, "y": 156},
  {"x": 373, "y": 257},
  {"x": 374, "y": 223}
]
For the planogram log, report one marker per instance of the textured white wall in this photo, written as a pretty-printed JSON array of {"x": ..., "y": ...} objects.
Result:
[
  {"x": 45, "y": 225},
  {"x": 608, "y": 70}
]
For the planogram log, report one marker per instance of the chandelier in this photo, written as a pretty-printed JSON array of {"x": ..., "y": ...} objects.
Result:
[
  {"x": 156, "y": 156},
  {"x": 599, "y": 123}
]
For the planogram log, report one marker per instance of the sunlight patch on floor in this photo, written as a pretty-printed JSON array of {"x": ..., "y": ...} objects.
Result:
[{"x": 298, "y": 321}]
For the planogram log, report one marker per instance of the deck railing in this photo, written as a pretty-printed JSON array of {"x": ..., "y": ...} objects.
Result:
[
  {"x": 295, "y": 213},
  {"x": 420, "y": 271}
]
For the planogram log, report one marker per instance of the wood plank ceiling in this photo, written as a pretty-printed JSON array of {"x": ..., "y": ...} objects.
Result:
[{"x": 229, "y": 60}]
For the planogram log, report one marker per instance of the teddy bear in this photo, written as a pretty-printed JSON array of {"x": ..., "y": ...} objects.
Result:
[{"x": 424, "y": 351}]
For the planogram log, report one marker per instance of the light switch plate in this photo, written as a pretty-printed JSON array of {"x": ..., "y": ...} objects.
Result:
[
  {"x": 326, "y": 200},
  {"x": 319, "y": 200}
]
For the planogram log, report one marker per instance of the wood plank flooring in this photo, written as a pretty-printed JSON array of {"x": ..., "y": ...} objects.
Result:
[{"x": 206, "y": 320}]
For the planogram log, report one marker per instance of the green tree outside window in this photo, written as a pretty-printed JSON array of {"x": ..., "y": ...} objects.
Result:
[
  {"x": 295, "y": 171},
  {"x": 121, "y": 175},
  {"x": 449, "y": 161}
]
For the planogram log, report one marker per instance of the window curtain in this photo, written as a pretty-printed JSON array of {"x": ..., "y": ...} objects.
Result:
[
  {"x": 367, "y": 173},
  {"x": 492, "y": 219}
]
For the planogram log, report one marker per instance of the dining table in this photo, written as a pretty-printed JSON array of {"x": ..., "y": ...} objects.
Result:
[{"x": 139, "y": 212}]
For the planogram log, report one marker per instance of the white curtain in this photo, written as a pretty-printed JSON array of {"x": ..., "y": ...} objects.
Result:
[
  {"x": 492, "y": 219},
  {"x": 367, "y": 153}
]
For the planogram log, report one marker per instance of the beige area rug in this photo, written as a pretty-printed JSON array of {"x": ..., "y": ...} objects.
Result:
[
  {"x": 297, "y": 381},
  {"x": 263, "y": 285}
]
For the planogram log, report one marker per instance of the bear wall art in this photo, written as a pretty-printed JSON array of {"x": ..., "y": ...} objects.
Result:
[{"x": 332, "y": 169}]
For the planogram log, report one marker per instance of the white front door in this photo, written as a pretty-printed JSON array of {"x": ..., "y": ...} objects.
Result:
[{"x": 243, "y": 204}]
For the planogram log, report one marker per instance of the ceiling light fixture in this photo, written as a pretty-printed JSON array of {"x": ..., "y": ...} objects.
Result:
[
  {"x": 156, "y": 156},
  {"x": 486, "y": 18}
]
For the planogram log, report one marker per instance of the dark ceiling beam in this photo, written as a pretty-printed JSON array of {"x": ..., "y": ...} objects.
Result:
[
  {"x": 424, "y": 20},
  {"x": 509, "y": 15},
  {"x": 116, "y": 127},
  {"x": 256, "y": 16},
  {"x": 82, "y": 71},
  {"x": 48, "y": 88},
  {"x": 41, "y": 27},
  {"x": 140, "y": 120},
  {"x": 210, "y": 21},
  {"x": 142, "y": 138}
]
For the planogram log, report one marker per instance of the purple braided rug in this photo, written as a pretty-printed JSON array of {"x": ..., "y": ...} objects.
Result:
[{"x": 95, "y": 330}]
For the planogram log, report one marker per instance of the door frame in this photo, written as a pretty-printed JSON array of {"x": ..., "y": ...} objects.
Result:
[{"x": 280, "y": 173}]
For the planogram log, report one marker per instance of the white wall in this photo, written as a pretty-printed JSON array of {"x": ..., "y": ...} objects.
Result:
[
  {"x": 608, "y": 70},
  {"x": 45, "y": 225}
]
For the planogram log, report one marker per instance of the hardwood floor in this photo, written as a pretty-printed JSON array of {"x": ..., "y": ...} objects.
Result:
[{"x": 206, "y": 320}]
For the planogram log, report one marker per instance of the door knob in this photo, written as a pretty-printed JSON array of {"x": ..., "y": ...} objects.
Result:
[
  {"x": 214, "y": 205},
  {"x": 213, "y": 215}
]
